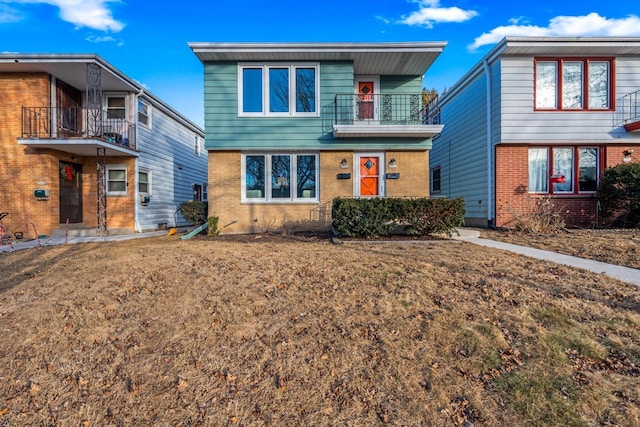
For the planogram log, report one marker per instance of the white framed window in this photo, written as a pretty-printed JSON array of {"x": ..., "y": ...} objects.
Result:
[
  {"x": 196, "y": 145},
  {"x": 144, "y": 113},
  {"x": 280, "y": 178},
  {"x": 116, "y": 107},
  {"x": 144, "y": 182},
  {"x": 116, "y": 180},
  {"x": 436, "y": 181},
  {"x": 205, "y": 192},
  {"x": 279, "y": 89}
]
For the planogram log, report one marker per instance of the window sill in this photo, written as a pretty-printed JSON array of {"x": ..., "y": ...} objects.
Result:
[{"x": 279, "y": 202}]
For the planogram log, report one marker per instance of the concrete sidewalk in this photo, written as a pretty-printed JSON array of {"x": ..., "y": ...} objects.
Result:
[
  {"x": 52, "y": 241},
  {"x": 626, "y": 274}
]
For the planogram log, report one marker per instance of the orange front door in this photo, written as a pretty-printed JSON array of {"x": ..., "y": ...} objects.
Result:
[
  {"x": 365, "y": 100},
  {"x": 369, "y": 176}
]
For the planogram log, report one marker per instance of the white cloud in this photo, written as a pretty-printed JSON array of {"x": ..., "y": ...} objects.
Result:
[
  {"x": 83, "y": 13},
  {"x": 96, "y": 39},
  {"x": 430, "y": 13},
  {"x": 9, "y": 15},
  {"x": 588, "y": 25}
]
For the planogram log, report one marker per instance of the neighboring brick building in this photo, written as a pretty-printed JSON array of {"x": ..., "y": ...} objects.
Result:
[
  {"x": 291, "y": 126},
  {"x": 82, "y": 142},
  {"x": 539, "y": 119}
]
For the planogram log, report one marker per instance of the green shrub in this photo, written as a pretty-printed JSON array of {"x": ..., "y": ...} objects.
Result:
[
  {"x": 194, "y": 211},
  {"x": 383, "y": 216},
  {"x": 619, "y": 194},
  {"x": 212, "y": 223}
]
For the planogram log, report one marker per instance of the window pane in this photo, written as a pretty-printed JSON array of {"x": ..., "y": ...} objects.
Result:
[
  {"x": 280, "y": 177},
  {"x": 538, "y": 172},
  {"x": 115, "y": 108},
  {"x": 588, "y": 164},
  {"x": 278, "y": 90},
  {"x": 546, "y": 85},
  {"x": 563, "y": 165},
  {"x": 435, "y": 180},
  {"x": 306, "y": 175},
  {"x": 599, "y": 84},
  {"x": 143, "y": 113},
  {"x": 117, "y": 175},
  {"x": 252, "y": 90},
  {"x": 255, "y": 177},
  {"x": 305, "y": 90},
  {"x": 572, "y": 85},
  {"x": 143, "y": 182}
]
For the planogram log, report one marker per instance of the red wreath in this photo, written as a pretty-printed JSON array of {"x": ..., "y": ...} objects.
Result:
[{"x": 68, "y": 172}]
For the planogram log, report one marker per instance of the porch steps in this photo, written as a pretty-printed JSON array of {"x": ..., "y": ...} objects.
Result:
[{"x": 80, "y": 230}]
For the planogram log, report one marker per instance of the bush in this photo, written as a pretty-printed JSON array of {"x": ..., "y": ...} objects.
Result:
[
  {"x": 212, "y": 229},
  {"x": 540, "y": 215},
  {"x": 619, "y": 194},
  {"x": 194, "y": 211},
  {"x": 383, "y": 216}
]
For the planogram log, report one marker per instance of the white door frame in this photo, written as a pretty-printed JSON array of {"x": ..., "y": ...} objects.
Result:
[
  {"x": 381, "y": 172},
  {"x": 376, "y": 96}
]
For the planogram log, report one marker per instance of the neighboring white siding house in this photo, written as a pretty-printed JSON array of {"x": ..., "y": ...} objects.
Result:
[{"x": 495, "y": 127}]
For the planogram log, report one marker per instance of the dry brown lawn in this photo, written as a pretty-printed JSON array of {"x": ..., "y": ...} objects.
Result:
[{"x": 284, "y": 331}]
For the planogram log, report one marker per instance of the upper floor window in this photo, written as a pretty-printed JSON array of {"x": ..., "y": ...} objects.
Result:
[
  {"x": 573, "y": 84},
  {"x": 278, "y": 90},
  {"x": 196, "y": 145},
  {"x": 116, "y": 107},
  {"x": 144, "y": 113}
]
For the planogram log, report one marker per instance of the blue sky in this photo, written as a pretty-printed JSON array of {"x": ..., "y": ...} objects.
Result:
[{"x": 148, "y": 40}]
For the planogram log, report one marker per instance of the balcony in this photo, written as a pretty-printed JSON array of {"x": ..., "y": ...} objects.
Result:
[
  {"x": 385, "y": 116},
  {"x": 77, "y": 130},
  {"x": 628, "y": 110}
]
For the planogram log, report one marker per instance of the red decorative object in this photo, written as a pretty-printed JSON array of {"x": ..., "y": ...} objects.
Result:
[{"x": 558, "y": 179}]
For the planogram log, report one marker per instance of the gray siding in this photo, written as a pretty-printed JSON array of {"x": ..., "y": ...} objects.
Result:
[
  {"x": 520, "y": 123},
  {"x": 167, "y": 151},
  {"x": 460, "y": 151}
]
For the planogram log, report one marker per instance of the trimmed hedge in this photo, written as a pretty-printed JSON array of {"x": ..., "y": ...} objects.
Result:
[{"x": 384, "y": 216}]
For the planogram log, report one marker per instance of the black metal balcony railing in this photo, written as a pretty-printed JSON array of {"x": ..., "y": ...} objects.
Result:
[
  {"x": 628, "y": 107},
  {"x": 76, "y": 122},
  {"x": 385, "y": 109}
]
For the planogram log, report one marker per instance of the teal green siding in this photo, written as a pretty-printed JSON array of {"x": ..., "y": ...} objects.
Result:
[{"x": 226, "y": 131}]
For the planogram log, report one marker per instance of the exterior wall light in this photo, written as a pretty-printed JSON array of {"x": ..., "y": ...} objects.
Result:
[
  {"x": 344, "y": 164},
  {"x": 627, "y": 155},
  {"x": 393, "y": 164}
]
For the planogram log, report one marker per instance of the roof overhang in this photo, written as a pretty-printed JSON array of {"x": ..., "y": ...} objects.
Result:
[
  {"x": 570, "y": 46},
  {"x": 384, "y": 131},
  {"x": 79, "y": 147},
  {"x": 407, "y": 58}
]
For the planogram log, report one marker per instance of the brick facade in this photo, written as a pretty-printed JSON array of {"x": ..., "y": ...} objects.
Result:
[
  {"x": 513, "y": 198},
  {"x": 236, "y": 217},
  {"x": 27, "y": 169}
]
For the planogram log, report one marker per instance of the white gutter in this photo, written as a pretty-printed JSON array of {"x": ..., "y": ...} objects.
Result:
[{"x": 490, "y": 173}]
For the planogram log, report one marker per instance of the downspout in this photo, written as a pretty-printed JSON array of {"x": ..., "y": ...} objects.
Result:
[
  {"x": 490, "y": 172},
  {"x": 136, "y": 169}
]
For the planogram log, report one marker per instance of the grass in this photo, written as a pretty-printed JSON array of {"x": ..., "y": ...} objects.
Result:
[{"x": 282, "y": 331}]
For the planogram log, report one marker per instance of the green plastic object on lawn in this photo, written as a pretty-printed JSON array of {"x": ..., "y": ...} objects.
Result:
[{"x": 194, "y": 232}]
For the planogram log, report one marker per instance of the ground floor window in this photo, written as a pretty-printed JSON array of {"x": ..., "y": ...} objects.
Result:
[
  {"x": 116, "y": 180},
  {"x": 281, "y": 177},
  {"x": 144, "y": 182},
  {"x": 563, "y": 170},
  {"x": 436, "y": 180}
]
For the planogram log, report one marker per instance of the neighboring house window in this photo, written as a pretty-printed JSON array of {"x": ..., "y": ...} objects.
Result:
[
  {"x": 573, "y": 84},
  {"x": 116, "y": 180},
  {"x": 116, "y": 107},
  {"x": 563, "y": 170},
  {"x": 144, "y": 113},
  {"x": 278, "y": 90},
  {"x": 205, "y": 192},
  {"x": 285, "y": 177},
  {"x": 197, "y": 192},
  {"x": 144, "y": 182},
  {"x": 196, "y": 145},
  {"x": 435, "y": 180}
]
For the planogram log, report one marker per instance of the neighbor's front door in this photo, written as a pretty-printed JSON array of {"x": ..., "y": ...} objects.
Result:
[
  {"x": 366, "y": 98},
  {"x": 370, "y": 175},
  {"x": 70, "y": 192}
]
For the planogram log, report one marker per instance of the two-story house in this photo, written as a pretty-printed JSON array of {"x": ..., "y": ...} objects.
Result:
[
  {"x": 87, "y": 148},
  {"x": 539, "y": 117},
  {"x": 291, "y": 126}
]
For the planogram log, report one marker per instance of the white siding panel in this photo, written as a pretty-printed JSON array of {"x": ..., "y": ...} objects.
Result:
[{"x": 167, "y": 151}]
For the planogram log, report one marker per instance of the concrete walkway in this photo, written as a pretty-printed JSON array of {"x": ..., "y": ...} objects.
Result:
[{"x": 626, "y": 274}]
